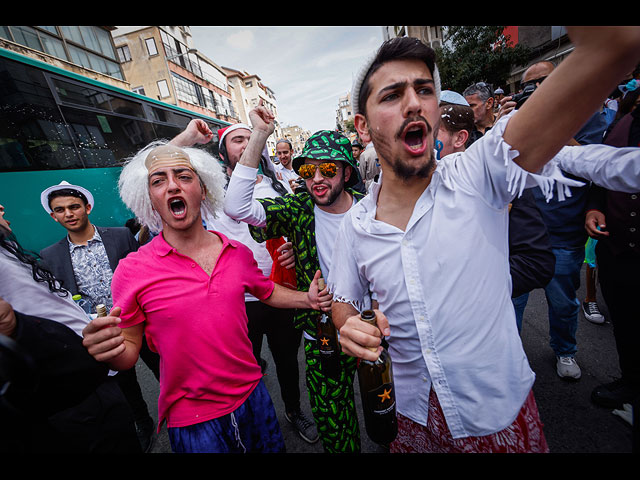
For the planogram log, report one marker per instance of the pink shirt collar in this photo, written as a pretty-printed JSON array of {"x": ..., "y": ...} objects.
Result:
[{"x": 162, "y": 248}]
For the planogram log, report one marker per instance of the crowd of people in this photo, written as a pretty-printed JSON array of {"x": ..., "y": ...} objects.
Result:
[{"x": 443, "y": 216}]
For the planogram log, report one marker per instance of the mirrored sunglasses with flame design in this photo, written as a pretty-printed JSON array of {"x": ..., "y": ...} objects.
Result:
[{"x": 327, "y": 170}]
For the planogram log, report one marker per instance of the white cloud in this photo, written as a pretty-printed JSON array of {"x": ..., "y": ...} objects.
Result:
[
  {"x": 242, "y": 40},
  {"x": 308, "y": 68}
]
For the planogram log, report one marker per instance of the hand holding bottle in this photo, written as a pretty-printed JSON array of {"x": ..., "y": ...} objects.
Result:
[
  {"x": 103, "y": 338},
  {"x": 325, "y": 298},
  {"x": 377, "y": 391},
  {"x": 357, "y": 338}
]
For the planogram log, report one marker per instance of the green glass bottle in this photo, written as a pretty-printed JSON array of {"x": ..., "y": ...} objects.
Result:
[{"x": 377, "y": 393}]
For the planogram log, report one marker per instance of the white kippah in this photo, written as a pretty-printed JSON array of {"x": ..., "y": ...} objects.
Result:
[{"x": 450, "y": 96}]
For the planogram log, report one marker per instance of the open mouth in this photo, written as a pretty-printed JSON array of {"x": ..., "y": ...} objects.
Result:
[
  {"x": 177, "y": 207},
  {"x": 320, "y": 189},
  {"x": 414, "y": 137}
]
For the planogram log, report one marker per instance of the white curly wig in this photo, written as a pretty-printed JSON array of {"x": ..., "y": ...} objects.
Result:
[{"x": 134, "y": 185}]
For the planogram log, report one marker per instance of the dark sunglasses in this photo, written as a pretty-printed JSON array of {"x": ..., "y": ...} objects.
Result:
[{"x": 327, "y": 170}]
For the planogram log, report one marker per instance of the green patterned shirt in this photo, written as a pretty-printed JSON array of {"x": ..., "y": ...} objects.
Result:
[{"x": 292, "y": 216}]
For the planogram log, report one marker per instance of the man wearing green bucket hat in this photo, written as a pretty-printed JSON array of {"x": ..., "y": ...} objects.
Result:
[{"x": 309, "y": 220}]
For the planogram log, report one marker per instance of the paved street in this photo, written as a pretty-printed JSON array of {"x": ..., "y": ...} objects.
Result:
[{"x": 572, "y": 423}]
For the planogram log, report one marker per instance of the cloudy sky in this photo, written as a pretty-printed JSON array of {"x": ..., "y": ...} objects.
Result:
[{"x": 308, "y": 68}]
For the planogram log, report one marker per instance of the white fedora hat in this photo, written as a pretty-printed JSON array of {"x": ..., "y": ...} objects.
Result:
[{"x": 44, "y": 196}]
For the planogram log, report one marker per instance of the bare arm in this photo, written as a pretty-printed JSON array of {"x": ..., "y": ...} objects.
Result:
[
  {"x": 283, "y": 297},
  {"x": 107, "y": 342},
  {"x": 197, "y": 131},
  {"x": 572, "y": 93}
]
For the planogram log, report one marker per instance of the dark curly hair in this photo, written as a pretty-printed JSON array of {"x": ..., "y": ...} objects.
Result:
[{"x": 10, "y": 243}]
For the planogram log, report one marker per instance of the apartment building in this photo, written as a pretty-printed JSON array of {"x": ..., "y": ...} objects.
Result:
[
  {"x": 161, "y": 62},
  {"x": 86, "y": 50},
  {"x": 297, "y": 136},
  {"x": 345, "y": 111},
  {"x": 248, "y": 90}
]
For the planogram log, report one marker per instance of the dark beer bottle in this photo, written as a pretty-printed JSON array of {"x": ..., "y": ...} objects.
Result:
[
  {"x": 328, "y": 342},
  {"x": 378, "y": 393}
]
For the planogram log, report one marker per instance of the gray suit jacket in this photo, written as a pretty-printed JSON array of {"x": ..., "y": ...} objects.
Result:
[{"x": 118, "y": 242}]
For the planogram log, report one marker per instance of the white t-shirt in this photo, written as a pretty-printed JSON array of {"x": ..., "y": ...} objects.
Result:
[{"x": 326, "y": 226}]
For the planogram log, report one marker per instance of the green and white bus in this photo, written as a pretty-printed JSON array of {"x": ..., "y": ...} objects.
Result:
[{"x": 56, "y": 125}]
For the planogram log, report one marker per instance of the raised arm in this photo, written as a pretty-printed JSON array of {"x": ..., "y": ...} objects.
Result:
[
  {"x": 197, "y": 131},
  {"x": 572, "y": 93},
  {"x": 262, "y": 121},
  {"x": 239, "y": 203}
]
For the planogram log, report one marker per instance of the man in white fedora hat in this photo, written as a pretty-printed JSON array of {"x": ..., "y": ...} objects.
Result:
[{"x": 84, "y": 262}]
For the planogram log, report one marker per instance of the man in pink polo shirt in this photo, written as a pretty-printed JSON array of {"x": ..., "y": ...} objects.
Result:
[{"x": 185, "y": 290}]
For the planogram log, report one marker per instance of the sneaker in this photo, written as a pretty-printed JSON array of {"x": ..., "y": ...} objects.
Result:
[
  {"x": 592, "y": 312},
  {"x": 305, "y": 427},
  {"x": 568, "y": 368}
]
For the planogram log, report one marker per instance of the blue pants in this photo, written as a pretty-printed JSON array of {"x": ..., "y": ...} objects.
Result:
[
  {"x": 252, "y": 428},
  {"x": 562, "y": 301}
]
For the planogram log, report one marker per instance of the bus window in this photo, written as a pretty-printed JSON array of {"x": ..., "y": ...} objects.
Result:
[
  {"x": 105, "y": 140},
  {"x": 33, "y": 135}
]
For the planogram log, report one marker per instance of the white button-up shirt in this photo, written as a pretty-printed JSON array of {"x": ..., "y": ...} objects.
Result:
[{"x": 444, "y": 284}]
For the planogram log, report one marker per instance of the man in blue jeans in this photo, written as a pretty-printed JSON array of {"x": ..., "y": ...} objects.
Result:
[{"x": 565, "y": 224}]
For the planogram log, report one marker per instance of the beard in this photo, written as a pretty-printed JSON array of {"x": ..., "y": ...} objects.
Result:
[
  {"x": 418, "y": 167},
  {"x": 407, "y": 171},
  {"x": 334, "y": 193}
]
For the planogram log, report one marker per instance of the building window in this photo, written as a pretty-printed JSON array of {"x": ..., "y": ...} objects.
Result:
[
  {"x": 188, "y": 91},
  {"x": 163, "y": 88},
  {"x": 151, "y": 46},
  {"x": 81, "y": 42},
  {"x": 138, "y": 90},
  {"x": 91, "y": 61},
  {"x": 92, "y": 38},
  {"x": 124, "y": 54}
]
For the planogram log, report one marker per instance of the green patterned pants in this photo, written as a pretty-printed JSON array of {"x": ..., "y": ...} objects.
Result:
[{"x": 332, "y": 402}]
